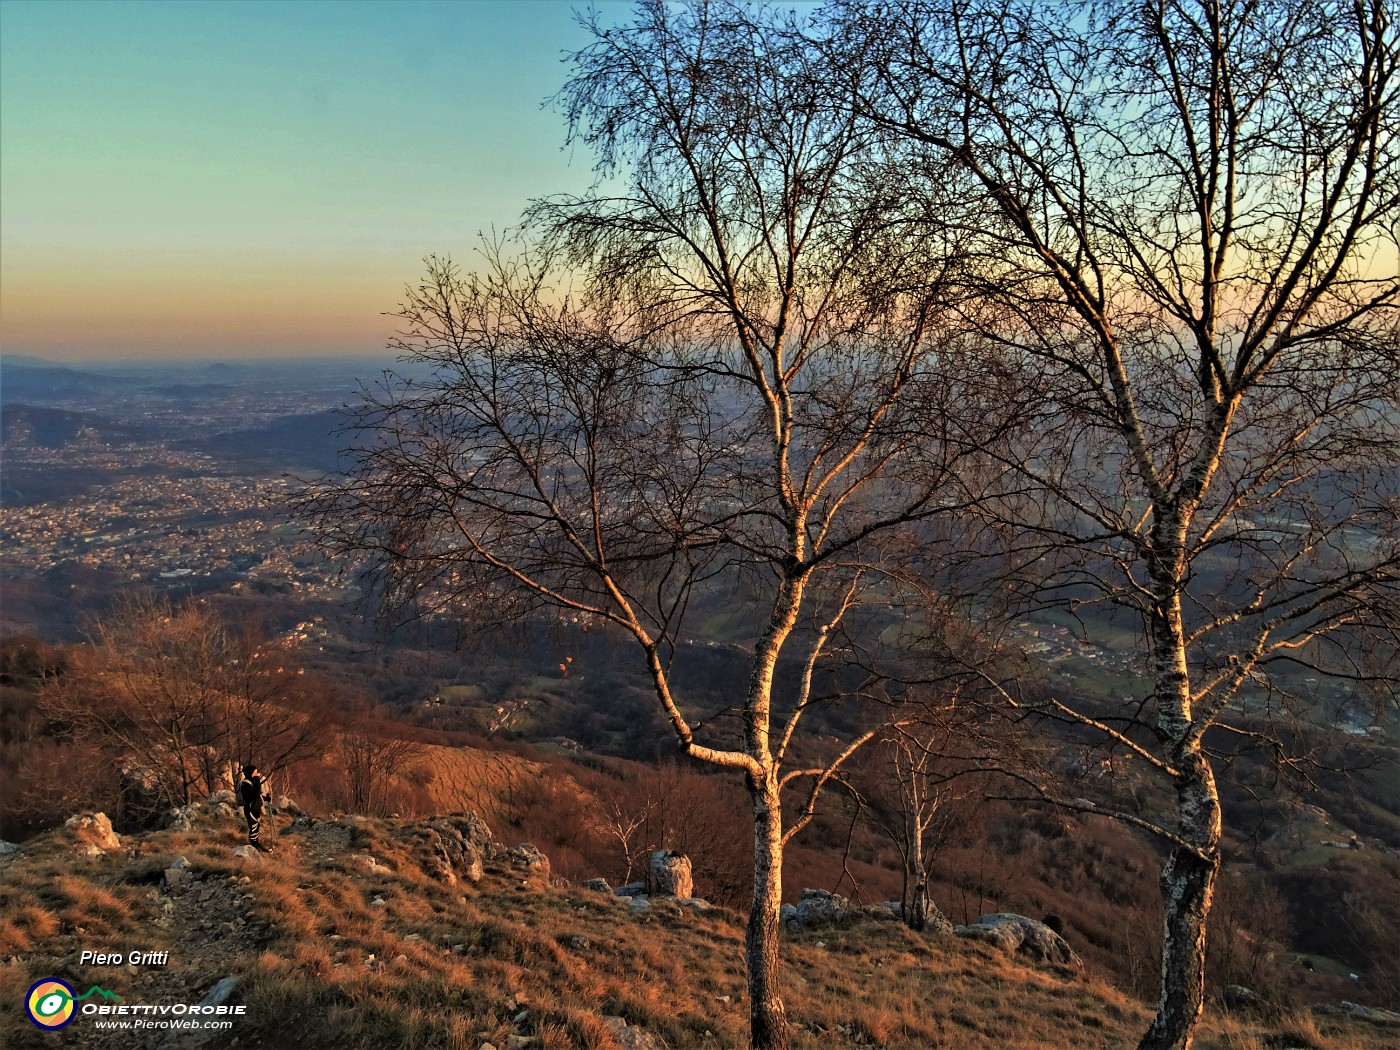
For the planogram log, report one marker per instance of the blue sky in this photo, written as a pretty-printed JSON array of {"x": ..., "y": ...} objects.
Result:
[{"x": 226, "y": 179}]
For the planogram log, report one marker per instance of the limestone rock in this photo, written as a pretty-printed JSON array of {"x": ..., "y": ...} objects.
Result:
[
  {"x": 598, "y": 886},
  {"x": 1238, "y": 997},
  {"x": 181, "y": 818},
  {"x": 8, "y": 849},
  {"x": 630, "y": 1037},
  {"x": 452, "y": 847},
  {"x": 815, "y": 909},
  {"x": 178, "y": 873},
  {"x": 1016, "y": 934},
  {"x": 219, "y": 994},
  {"x": 93, "y": 834},
  {"x": 1372, "y": 1014},
  {"x": 247, "y": 852},
  {"x": 631, "y": 889},
  {"x": 282, "y": 804},
  {"x": 528, "y": 859},
  {"x": 671, "y": 874}
]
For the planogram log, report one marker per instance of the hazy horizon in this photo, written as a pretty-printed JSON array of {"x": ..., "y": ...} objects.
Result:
[{"x": 245, "y": 181}]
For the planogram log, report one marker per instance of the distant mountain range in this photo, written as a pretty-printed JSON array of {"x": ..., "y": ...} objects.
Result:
[{"x": 23, "y": 382}]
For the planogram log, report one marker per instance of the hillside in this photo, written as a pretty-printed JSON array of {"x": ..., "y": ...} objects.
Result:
[
  {"x": 362, "y": 932},
  {"x": 308, "y": 440},
  {"x": 33, "y": 425}
]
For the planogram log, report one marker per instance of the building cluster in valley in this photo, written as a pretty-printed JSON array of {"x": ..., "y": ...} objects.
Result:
[{"x": 163, "y": 514}]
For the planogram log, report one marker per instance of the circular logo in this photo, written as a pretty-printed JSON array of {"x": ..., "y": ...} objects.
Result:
[{"x": 50, "y": 1003}]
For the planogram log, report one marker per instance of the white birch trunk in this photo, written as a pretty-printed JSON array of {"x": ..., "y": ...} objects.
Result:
[{"x": 768, "y": 1028}]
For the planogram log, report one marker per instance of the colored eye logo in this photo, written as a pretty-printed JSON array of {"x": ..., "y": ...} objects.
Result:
[{"x": 50, "y": 1003}]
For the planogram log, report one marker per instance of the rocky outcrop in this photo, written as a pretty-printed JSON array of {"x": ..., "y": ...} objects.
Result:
[
  {"x": 177, "y": 874},
  {"x": 282, "y": 804},
  {"x": 815, "y": 909},
  {"x": 1238, "y": 997},
  {"x": 1018, "y": 935},
  {"x": 630, "y": 1037},
  {"x": 220, "y": 804},
  {"x": 92, "y": 834},
  {"x": 453, "y": 847},
  {"x": 671, "y": 874},
  {"x": 529, "y": 861},
  {"x": 1371, "y": 1014},
  {"x": 598, "y": 885}
]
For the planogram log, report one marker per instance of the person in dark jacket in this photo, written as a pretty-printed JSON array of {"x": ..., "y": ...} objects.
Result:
[{"x": 251, "y": 796}]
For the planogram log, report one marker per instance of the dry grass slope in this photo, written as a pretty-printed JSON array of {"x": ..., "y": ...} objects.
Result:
[{"x": 339, "y": 951}]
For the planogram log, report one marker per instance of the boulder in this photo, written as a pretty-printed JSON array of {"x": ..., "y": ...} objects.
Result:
[
  {"x": 598, "y": 886},
  {"x": 247, "y": 852},
  {"x": 815, "y": 909},
  {"x": 93, "y": 834},
  {"x": 178, "y": 873},
  {"x": 630, "y": 1037},
  {"x": 1238, "y": 997},
  {"x": 1016, "y": 934},
  {"x": 181, "y": 818},
  {"x": 219, "y": 994},
  {"x": 8, "y": 849},
  {"x": 1373, "y": 1015},
  {"x": 670, "y": 874},
  {"x": 452, "y": 847},
  {"x": 224, "y": 797},
  {"x": 631, "y": 889},
  {"x": 282, "y": 804},
  {"x": 527, "y": 859}
]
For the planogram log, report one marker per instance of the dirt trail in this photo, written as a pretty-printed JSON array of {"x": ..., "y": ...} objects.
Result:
[{"x": 212, "y": 926}]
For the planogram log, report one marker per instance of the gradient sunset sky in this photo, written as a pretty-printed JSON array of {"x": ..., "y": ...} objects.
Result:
[{"x": 217, "y": 180}]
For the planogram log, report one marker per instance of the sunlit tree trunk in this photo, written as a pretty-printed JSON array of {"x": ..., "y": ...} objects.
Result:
[
  {"x": 768, "y": 1027},
  {"x": 1188, "y": 886},
  {"x": 1188, "y": 877}
]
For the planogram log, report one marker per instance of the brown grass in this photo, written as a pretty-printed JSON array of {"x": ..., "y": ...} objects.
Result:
[{"x": 453, "y": 966}]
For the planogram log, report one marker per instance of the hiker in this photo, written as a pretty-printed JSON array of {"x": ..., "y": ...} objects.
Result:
[{"x": 250, "y": 795}]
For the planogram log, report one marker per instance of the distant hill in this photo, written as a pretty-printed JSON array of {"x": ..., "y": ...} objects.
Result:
[
  {"x": 34, "y": 425},
  {"x": 23, "y": 382},
  {"x": 310, "y": 440}
]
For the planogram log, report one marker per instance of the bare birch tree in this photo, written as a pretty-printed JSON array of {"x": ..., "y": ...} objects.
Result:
[
  {"x": 1192, "y": 211},
  {"x": 754, "y": 375},
  {"x": 906, "y": 797}
]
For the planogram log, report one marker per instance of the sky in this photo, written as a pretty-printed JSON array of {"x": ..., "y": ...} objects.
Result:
[{"x": 213, "y": 180}]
